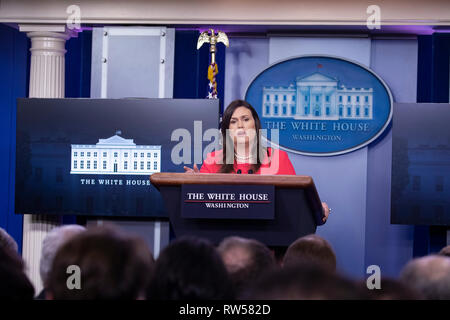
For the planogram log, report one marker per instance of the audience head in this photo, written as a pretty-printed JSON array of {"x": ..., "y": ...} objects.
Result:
[
  {"x": 310, "y": 249},
  {"x": 52, "y": 242},
  {"x": 14, "y": 283},
  {"x": 7, "y": 241},
  {"x": 391, "y": 289},
  {"x": 112, "y": 266},
  {"x": 445, "y": 251},
  {"x": 245, "y": 260},
  {"x": 190, "y": 269},
  {"x": 304, "y": 281},
  {"x": 429, "y": 275}
]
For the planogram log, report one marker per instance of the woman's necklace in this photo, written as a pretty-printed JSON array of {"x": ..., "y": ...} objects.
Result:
[{"x": 241, "y": 158}]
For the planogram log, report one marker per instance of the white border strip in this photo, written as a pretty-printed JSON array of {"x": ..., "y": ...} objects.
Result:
[
  {"x": 157, "y": 239},
  {"x": 104, "y": 85}
]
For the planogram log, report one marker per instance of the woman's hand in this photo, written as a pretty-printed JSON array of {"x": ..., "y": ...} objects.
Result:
[
  {"x": 189, "y": 170},
  {"x": 326, "y": 211}
]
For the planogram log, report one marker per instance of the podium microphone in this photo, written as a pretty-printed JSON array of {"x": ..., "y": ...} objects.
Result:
[
  {"x": 250, "y": 171},
  {"x": 239, "y": 171}
]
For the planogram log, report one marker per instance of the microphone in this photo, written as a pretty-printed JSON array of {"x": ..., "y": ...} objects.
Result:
[
  {"x": 250, "y": 171},
  {"x": 239, "y": 171}
]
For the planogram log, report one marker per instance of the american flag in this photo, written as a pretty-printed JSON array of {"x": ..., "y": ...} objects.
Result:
[{"x": 212, "y": 86}]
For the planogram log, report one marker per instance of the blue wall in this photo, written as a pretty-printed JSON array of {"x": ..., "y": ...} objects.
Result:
[
  {"x": 14, "y": 57},
  {"x": 14, "y": 79}
]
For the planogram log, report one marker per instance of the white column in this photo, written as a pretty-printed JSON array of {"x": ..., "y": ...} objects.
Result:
[
  {"x": 47, "y": 72},
  {"x": 47, "y": 69}
]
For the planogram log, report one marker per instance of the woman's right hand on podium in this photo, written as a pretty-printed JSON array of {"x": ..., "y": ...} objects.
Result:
[{"x": 189, "y": 170}]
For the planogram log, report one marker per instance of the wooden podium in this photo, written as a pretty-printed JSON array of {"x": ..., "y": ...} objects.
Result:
[{"x": 298, "y": 209}]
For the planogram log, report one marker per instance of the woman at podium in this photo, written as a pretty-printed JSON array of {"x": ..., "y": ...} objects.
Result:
[{"x": 243, "y": 152}]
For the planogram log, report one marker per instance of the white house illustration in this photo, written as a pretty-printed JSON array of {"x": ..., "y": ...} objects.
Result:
[
  {"x": 115, "y": 155},
  {"x": 317, "y": 97}
]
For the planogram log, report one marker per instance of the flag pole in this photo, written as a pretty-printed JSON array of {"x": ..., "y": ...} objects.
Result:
[{"x": 213, "y": 39}]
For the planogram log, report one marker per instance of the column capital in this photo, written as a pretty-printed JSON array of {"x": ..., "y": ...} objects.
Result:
[
  {"x": 48, "y": 48},
  {"x": 58, "y": 31}
]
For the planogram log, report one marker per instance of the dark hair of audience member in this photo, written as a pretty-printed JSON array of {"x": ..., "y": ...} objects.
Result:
[
  {"x": 304, "y": 281},
  {"x": 190, "y": 268},
  {"x": 246, "y": 260},
  {"x": 311, "y": 249},
  {"x": 14, "y": 282},
  {"x": 445, "y": 251},
  {"x": 113, "y": 266},
  {"x": 390, "y": 289}
]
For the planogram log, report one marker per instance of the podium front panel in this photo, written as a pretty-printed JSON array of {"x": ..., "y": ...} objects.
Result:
[{"x": 293, "y": 219}]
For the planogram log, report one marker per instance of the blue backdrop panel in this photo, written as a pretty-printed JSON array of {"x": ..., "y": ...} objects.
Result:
[
  {"x": 78, "y": 65},
  {"x": 388, "y": 246},
  {"x": 13, "y": 78},
  {"x": 364, "y": 217},
  {"x": 344, "y": 189}
]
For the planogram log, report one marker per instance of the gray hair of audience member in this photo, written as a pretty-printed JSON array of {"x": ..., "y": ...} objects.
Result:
[
  {"x": 245, "y": 259},
  {"x": 311, "y": 249},
  {"x": 429, "y": 275},
  {"x": 52, "y": 242},
  {"x": 6, "y": 241},
  {"x": 445, "y": 251}
]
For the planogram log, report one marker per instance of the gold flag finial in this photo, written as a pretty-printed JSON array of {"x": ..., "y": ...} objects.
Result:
[
  {"x": 213, "y": 70},
  {"x": 213, "y": 39}
]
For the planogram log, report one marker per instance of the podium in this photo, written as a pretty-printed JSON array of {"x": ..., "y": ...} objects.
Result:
[{"x": 297, "y": 206}]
